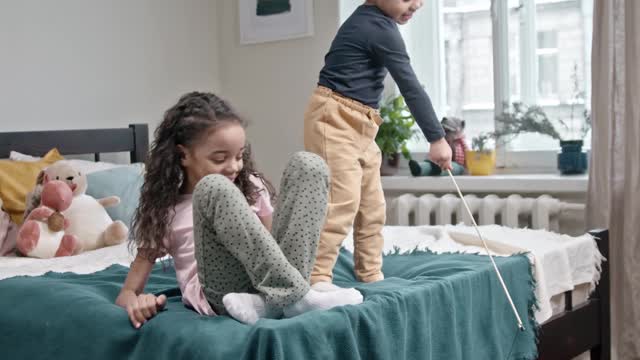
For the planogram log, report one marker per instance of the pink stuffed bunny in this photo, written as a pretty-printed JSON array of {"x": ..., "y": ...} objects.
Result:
[{"x": 42, "y": 234}]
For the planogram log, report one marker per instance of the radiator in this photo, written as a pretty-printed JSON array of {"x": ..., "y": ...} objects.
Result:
[{"x": 543, "y": 212}]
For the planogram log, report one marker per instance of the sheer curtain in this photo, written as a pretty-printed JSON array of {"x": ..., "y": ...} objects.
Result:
[{"x": 614, "y": 177}]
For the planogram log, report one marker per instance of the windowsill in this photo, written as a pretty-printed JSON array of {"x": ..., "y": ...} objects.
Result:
[{"x": 500, "y": 183}]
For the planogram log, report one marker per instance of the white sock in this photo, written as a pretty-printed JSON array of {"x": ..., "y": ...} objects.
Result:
[
  {"x": 316, "y": 300},
  {"x": 325, "y": 286},
  {"x": 248, "y": 308}
]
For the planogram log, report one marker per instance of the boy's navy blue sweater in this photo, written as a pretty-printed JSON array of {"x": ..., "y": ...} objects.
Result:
[{"x": 368, "y": 45}]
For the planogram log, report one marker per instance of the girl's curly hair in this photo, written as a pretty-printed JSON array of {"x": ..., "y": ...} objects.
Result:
[{"x": 183, "y": 124}]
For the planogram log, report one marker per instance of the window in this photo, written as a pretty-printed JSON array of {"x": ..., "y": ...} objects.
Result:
[
  {"x": 562, "y": 31},
  {"x": 547, "y": 59},
  {"x": 542, "y": 50},
  {"x": 468, "y": 63}
]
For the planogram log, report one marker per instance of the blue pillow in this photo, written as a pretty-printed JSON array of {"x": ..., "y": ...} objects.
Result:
[{"x": 124, "y": 182}]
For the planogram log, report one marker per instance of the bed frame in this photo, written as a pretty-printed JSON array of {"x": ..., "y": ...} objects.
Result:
[
  {"x": 585, "y": 327},
  {"x": 134, "y": 139}
]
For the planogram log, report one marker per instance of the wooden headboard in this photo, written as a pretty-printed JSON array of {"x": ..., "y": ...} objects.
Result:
[{"x": 133, "y": 139}]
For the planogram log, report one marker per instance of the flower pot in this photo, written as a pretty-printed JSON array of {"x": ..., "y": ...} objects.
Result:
[
  {"x": 480, "y": 162},
  {"x": 571, "y": 159},
  {"x": 390, "y": 164},
  {"x": 393, "y": 160}
]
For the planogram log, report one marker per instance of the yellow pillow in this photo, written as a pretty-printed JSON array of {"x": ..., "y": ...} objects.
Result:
[{"x": 17, "y": 178}]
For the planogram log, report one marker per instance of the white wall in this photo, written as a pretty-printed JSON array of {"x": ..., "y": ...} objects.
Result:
[
  {"x": 271, "y": 83},
  {"x": 89, "y": 64},
  {"x": 347, "y": 7},
  {"x": 92, "y": 64}
]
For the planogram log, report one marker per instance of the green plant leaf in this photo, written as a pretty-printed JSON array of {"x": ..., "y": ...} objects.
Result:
[{"x": 397, "y": 127}]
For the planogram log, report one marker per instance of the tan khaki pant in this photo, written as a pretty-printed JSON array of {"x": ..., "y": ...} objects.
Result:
[{"x": 343, "y": 131}]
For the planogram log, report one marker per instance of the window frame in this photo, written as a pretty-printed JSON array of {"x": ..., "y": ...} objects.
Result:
[{"x": 432, "y": 72}]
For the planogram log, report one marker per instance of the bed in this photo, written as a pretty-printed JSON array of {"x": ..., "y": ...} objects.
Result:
[{"x": 431, "y": 306}]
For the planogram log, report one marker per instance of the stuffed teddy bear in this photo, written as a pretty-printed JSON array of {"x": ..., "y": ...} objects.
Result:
[
  {"x": 8, "y": 233},
  {"x": 454, "y": 134},
  {"x": 42, "y": 235},
  {"x": 88, "y": 220}
]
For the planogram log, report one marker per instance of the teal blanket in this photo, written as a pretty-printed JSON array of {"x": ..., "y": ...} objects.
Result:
[{"x": 447, "y": 306}]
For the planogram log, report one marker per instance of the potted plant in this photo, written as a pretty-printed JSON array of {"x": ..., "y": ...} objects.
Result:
[
  {"x": 394, "y": 133},
  {"x": 522, "y": 118},
  {"x": 481, "y": 159},
  {"x": 571, "y": 159}
]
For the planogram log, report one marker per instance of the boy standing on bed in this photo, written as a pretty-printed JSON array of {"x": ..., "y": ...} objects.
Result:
[{"x": 341, "y": 122}]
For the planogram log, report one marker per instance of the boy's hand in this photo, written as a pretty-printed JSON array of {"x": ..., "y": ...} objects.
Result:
[
  {"x": 141, "y": 308},
  {"x": 440, "y": 153}
]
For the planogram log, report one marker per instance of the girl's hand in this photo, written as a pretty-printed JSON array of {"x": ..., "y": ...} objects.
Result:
[
  {"x": 440, "y": 153},
  {"x": 140, "y": 308},
  {"x": 267, "y": 221}
]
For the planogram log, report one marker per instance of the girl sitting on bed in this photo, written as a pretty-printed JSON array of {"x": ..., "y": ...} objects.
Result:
[{"x": 204, "y": 204}]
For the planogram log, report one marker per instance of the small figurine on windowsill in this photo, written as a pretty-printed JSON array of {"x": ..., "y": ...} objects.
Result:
[{"x": 454, "y": 134}]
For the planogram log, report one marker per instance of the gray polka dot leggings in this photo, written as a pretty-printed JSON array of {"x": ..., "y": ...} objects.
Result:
[{"x": 236, "y": 253}]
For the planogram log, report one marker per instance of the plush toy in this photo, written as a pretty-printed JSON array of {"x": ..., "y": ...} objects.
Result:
[
  {"x": 8, "y": 233},
  {"x": 42, "y": 235},
  {"x": 88, "y": 220},
  {"x": 454, "y": 134},
  {"x": 429, "y": 168}
]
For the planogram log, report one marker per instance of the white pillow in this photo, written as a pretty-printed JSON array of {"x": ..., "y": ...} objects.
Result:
[
  {"x": 16, "y": 156},
  {"x": 84, "y": 166},
  {"x": 88, "y": 167}
]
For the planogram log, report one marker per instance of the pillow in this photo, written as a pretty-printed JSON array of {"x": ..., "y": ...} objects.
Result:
[
  {"x": 16, "y": 156},
  {"x": 17, "y": 178},
  {"x": 84, "y": 166},
  {"x": 88, "y": 167},
  {"x": 124, "y": 182}
]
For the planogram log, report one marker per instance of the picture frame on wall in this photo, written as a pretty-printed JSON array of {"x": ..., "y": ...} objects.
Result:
[{"x": 274, "y": 20}]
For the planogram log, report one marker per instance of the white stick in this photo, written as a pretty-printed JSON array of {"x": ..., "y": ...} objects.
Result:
[{"x": 495, "y": 267}]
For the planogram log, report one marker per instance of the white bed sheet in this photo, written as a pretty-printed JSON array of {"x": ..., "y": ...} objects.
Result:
[
  {"x": 560, "y": 263},
  {"x": 84, "y": 263}
]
